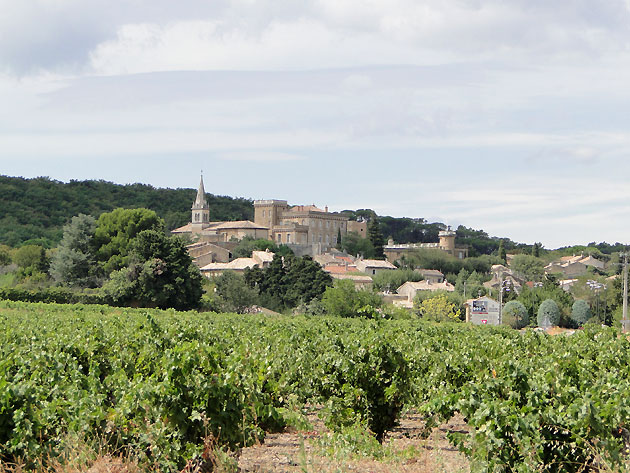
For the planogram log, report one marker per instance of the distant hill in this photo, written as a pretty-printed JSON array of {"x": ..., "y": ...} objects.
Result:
[{"x": 35, "y": 210}]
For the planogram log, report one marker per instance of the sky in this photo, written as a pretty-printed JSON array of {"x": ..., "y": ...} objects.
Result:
[{"x": 509, "y": 116}]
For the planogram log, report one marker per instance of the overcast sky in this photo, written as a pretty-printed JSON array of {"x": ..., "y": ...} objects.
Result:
[{"x": 508, "y": 115}]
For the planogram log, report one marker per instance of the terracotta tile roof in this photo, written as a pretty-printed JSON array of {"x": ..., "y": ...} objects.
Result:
[
  {"x": 335, "y": 269},
  {"x": 305, "y": 208},
  {"x": 185, "y": 229},
  {"x": 375, "y": 263},
  {"x": 237, "y": 264},
  {"x": 238, "y": 224},
  {"x": 354, "y": 277},
  {"x": 345, "y": 258},
  {"x": 428, "y": 286}
]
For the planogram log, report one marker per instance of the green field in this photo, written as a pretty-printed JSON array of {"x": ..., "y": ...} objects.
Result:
[{"x": 156, "y": 383}]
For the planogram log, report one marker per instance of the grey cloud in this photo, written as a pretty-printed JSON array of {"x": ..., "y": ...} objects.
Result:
[
  {"x": 43, "y": 35},
  {"x": 39, "y": 34}
]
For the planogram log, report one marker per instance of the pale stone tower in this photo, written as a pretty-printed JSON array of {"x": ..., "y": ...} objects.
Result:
[
  {"x": 200, "y": 210},
  {"x": 447, "y": 240}
]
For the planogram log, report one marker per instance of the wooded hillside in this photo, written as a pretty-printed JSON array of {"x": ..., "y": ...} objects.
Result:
[{"x": 37, "y": 209}]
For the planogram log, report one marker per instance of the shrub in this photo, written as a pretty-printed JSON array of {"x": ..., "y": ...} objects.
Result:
[
  {"x": 343, "y": 300},
  {"x": 515, "y": 315},
  {"x": 548, "y": 313},
  {"x": 438, "y": 309},
  {"x": 580, "y": 312}
]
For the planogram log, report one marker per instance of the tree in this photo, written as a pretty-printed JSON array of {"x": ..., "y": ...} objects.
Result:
[
  {"x": 160, "y": 274},
  {"x": 580, "y": 312},
  {"x": 353, "y": 244},
  {"x": 115, "y": 232},
  {"x": 306, "y": 281},
  {"x": 236, "y": 295},
  {"x": 248, "y": 244},
  {"x": 515, "y": 315},
  {"x": 74, "y": 263},
  {"x": 438, "y": 309},
  {"x": 501, "y": 252},
  {"x": 548, "y": 313},
  {"x": 376, "y": 238},
  {"x": 338, "y": 245},
  {"x": 470, "y": 283},
  {"x": 528, "y": 267},
  {"x": 344, "y": 300},
  {"x": 31, "y": 257},
  {"x": 5, "y": 255},
  {"x": 536, "y": 249},
  {"x": 392, "y": 280},
  {"x": 288, "y": 282}
]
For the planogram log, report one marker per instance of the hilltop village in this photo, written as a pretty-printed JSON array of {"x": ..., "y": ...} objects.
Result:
[
  {"x": 315, "y": 232},
  {"x": 83, "y": 239}
]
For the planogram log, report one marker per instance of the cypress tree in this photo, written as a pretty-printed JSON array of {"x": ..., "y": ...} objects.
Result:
[
  {"x": 376, "y": 238},
  {"x": 501, "y": 252}
]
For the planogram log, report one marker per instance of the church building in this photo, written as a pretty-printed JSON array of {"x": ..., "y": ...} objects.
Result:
[{"x": 203, "y": 230}]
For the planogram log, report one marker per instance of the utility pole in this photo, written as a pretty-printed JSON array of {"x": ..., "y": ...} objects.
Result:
[
  {"x": 625, "y": 322},
  {"x": 500, "y": 301}
]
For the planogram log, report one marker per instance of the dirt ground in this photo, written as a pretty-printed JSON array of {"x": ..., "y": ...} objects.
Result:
[{"x": 294, "y": 451}]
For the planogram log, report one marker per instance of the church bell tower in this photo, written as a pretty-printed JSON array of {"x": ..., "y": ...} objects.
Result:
[{"x": 200, "y": 210}]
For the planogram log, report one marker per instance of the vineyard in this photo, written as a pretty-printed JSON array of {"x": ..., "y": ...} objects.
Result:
[{"x": 157, "y": 383}]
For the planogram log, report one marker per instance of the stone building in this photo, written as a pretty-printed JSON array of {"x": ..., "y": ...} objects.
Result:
[
  {"x": 259, "y": 259},
  {"x": 373, "y": 267},
  {"x": 411, "y": 288},
  {"x": 359, "y": 227},
  {"x": 300, "y": 225},
  {"x": 393, "y": 252},
  {"x": 431, "y": 275},
  {"x": 204, "y": 230},
  {"x": 306, "y": 229},
  {"x": 574, "y": 266}
]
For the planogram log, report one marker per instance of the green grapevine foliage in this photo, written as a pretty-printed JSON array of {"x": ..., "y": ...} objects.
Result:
[{"x": 157, "y": 382}]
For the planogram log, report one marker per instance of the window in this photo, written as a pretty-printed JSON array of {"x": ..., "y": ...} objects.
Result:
[
  {"x": 288, "y": 238},
  {"x": 196, "y": 217},
  {"x": 263, "y": 212},
  {"x": 279, "y": 237},
  {"x": 373, "y": 271}
]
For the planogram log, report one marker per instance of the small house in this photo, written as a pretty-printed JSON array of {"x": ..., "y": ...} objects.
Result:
[{"x": 482, "y": 311}]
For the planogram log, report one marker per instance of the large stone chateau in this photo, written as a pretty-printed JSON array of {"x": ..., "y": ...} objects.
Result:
[{"x": 307, "y": 229}]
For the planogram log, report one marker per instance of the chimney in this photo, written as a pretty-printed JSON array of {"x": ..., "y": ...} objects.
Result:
[{"x": 326, "y": 209}]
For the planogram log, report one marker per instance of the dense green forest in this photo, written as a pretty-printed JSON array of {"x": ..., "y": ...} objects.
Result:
[{"x": 35, "y": 210}]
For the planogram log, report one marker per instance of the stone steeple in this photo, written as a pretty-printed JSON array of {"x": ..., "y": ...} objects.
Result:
[{"x": 200, "y": 209}]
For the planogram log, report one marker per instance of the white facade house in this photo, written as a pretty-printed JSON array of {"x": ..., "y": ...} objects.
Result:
[{"x": 482, "y": 311}]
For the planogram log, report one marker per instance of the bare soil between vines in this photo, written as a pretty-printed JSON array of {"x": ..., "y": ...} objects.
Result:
[{"x": 295, "y": 451}]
